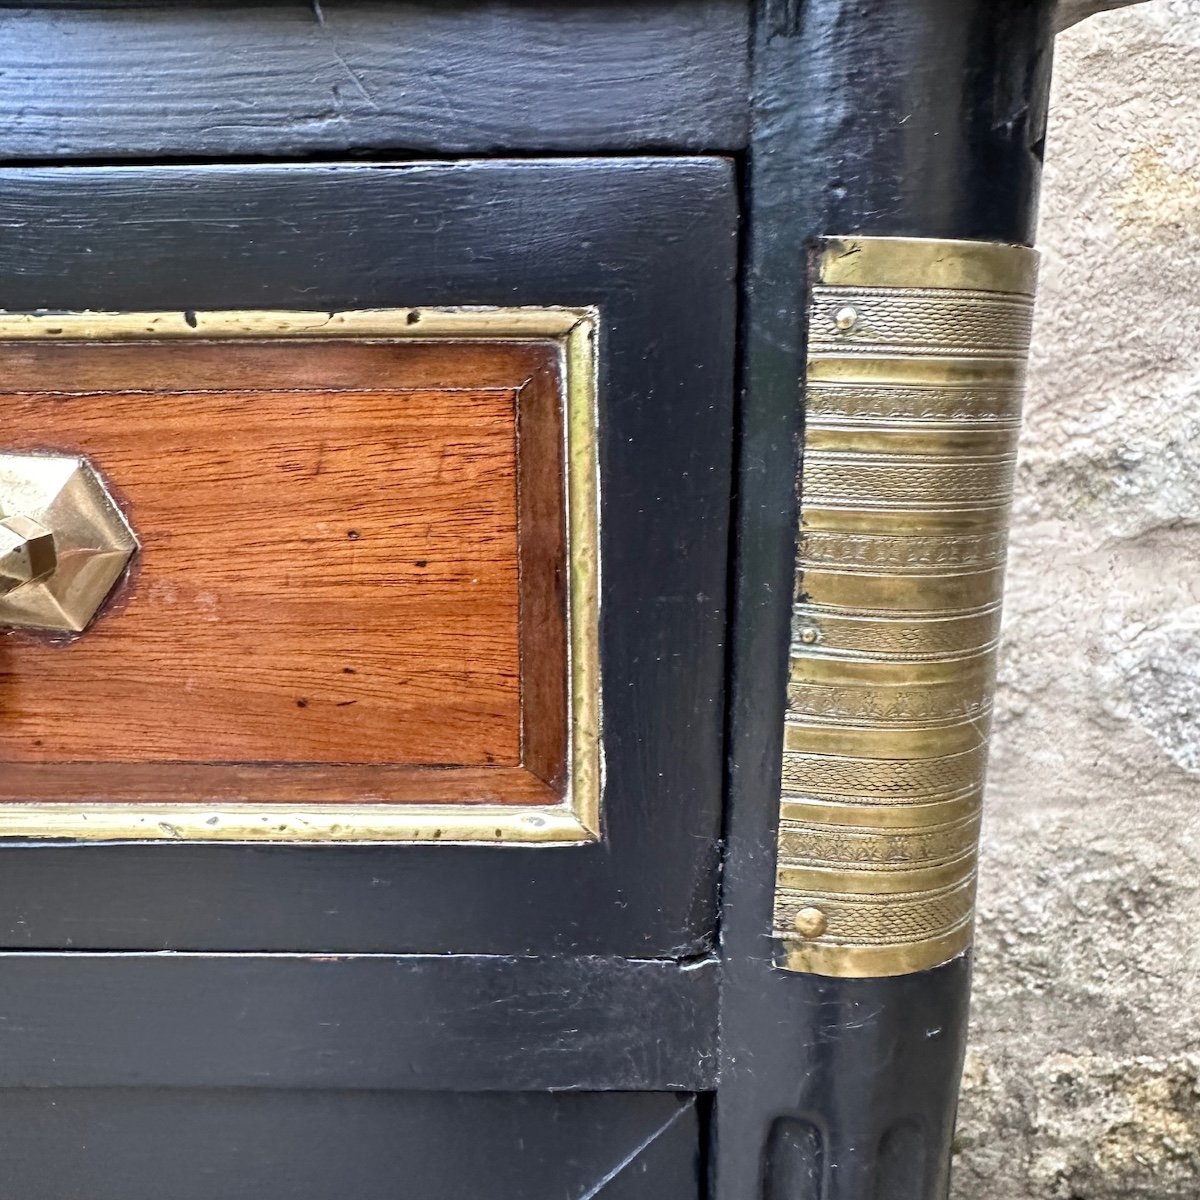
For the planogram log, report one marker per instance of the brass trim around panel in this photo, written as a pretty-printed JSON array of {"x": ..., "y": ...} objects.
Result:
[
  {"x": 577, "y": 819},
  {"x": 358, "y": 824},
  {"x": 462, "y": 322},
  {"x": 917, "y": 355}
]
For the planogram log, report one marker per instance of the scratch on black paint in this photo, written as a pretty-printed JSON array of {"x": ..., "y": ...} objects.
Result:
[
  {"x": 359, "y": 86},
  {"x": 633, "y": 1155}
]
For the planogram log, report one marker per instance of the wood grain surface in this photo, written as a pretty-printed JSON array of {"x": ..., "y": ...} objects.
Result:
[
  {"x": 348, "y": 76},
  {"x": 340, "y": 547}
]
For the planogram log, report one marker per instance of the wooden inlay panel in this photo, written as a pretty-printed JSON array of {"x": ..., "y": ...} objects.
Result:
[{"x": 352, "y": 582}]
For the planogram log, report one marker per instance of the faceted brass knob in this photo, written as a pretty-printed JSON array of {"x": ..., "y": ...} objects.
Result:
[
  {"x": 27, "y": 552},
  {"x": 63, "y": 542}
]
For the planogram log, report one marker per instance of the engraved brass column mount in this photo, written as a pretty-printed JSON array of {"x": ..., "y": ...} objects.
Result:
[
  {"x": 63, "y": 542},
  {"x": 917, "y": 354}
]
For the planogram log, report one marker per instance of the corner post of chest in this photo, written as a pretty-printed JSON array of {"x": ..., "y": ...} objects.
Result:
[{"x": 892, "y": 186}]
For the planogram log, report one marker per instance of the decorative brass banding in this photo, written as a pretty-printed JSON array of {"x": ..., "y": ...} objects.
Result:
[
  {"x": 883, "y": 780},
  {"x": 978, "y": 404},
  {"x": 909, "y": 320},
  {"x": 916, "y": 637},
  {"x": 917, "y": 355}
]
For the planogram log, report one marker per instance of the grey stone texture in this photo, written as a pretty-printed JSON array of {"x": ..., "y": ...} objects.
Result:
[
  {"x": 1067, "y": 12},
  {"x": 1083, "y": 1078}
]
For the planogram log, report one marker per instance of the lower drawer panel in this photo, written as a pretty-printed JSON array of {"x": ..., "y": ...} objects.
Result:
[{"x": 231, "y": 1144}]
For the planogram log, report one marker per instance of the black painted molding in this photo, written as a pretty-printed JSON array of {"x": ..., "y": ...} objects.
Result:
[
  {"x": 441, "y": 77},
  {"x": 445, "y": 1023}
]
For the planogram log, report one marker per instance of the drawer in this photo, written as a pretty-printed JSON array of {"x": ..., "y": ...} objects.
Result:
[{"x": 421, "y": 647}]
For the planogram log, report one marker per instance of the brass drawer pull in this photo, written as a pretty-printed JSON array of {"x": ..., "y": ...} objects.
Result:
[
  {"x": 27, "y": 553},
  {"x": 63, "y": 542}
]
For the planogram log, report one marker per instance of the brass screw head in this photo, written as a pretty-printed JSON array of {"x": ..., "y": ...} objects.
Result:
[
  {"x": 846, "y": 318},
  {"x": 810, "y": 922},
  {"x": 809, "y": 636}
]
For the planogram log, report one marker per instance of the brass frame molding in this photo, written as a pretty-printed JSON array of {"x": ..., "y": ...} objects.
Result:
[
  {"x": 917, "y": 357},
  {"x": 577, "y": 817}
]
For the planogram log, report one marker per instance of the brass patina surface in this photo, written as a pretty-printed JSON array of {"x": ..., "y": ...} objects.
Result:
[
  {"x": 917, "y": 354},
  {"x": 63, "y": 542},
  {"x": 577, "y": 817}
]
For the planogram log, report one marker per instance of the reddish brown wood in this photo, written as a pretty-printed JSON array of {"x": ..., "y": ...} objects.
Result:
[
  {"x": 543, "y": 567},
  {"x": 352, "y": 581},
  {"x": 296, "y": 783}
]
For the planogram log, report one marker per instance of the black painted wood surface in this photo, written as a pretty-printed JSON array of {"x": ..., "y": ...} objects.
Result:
[
  {"x": 922, "y": 119},
  {"x": 428, "y": 1023},
  {"x": 439, "y": 77},
  {"x": 653, "y": 243},
  {"x": 251, "y": 1144}
]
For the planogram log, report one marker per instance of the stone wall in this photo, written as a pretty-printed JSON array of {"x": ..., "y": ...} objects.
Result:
[{"x": 1083, "y": 1081}]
